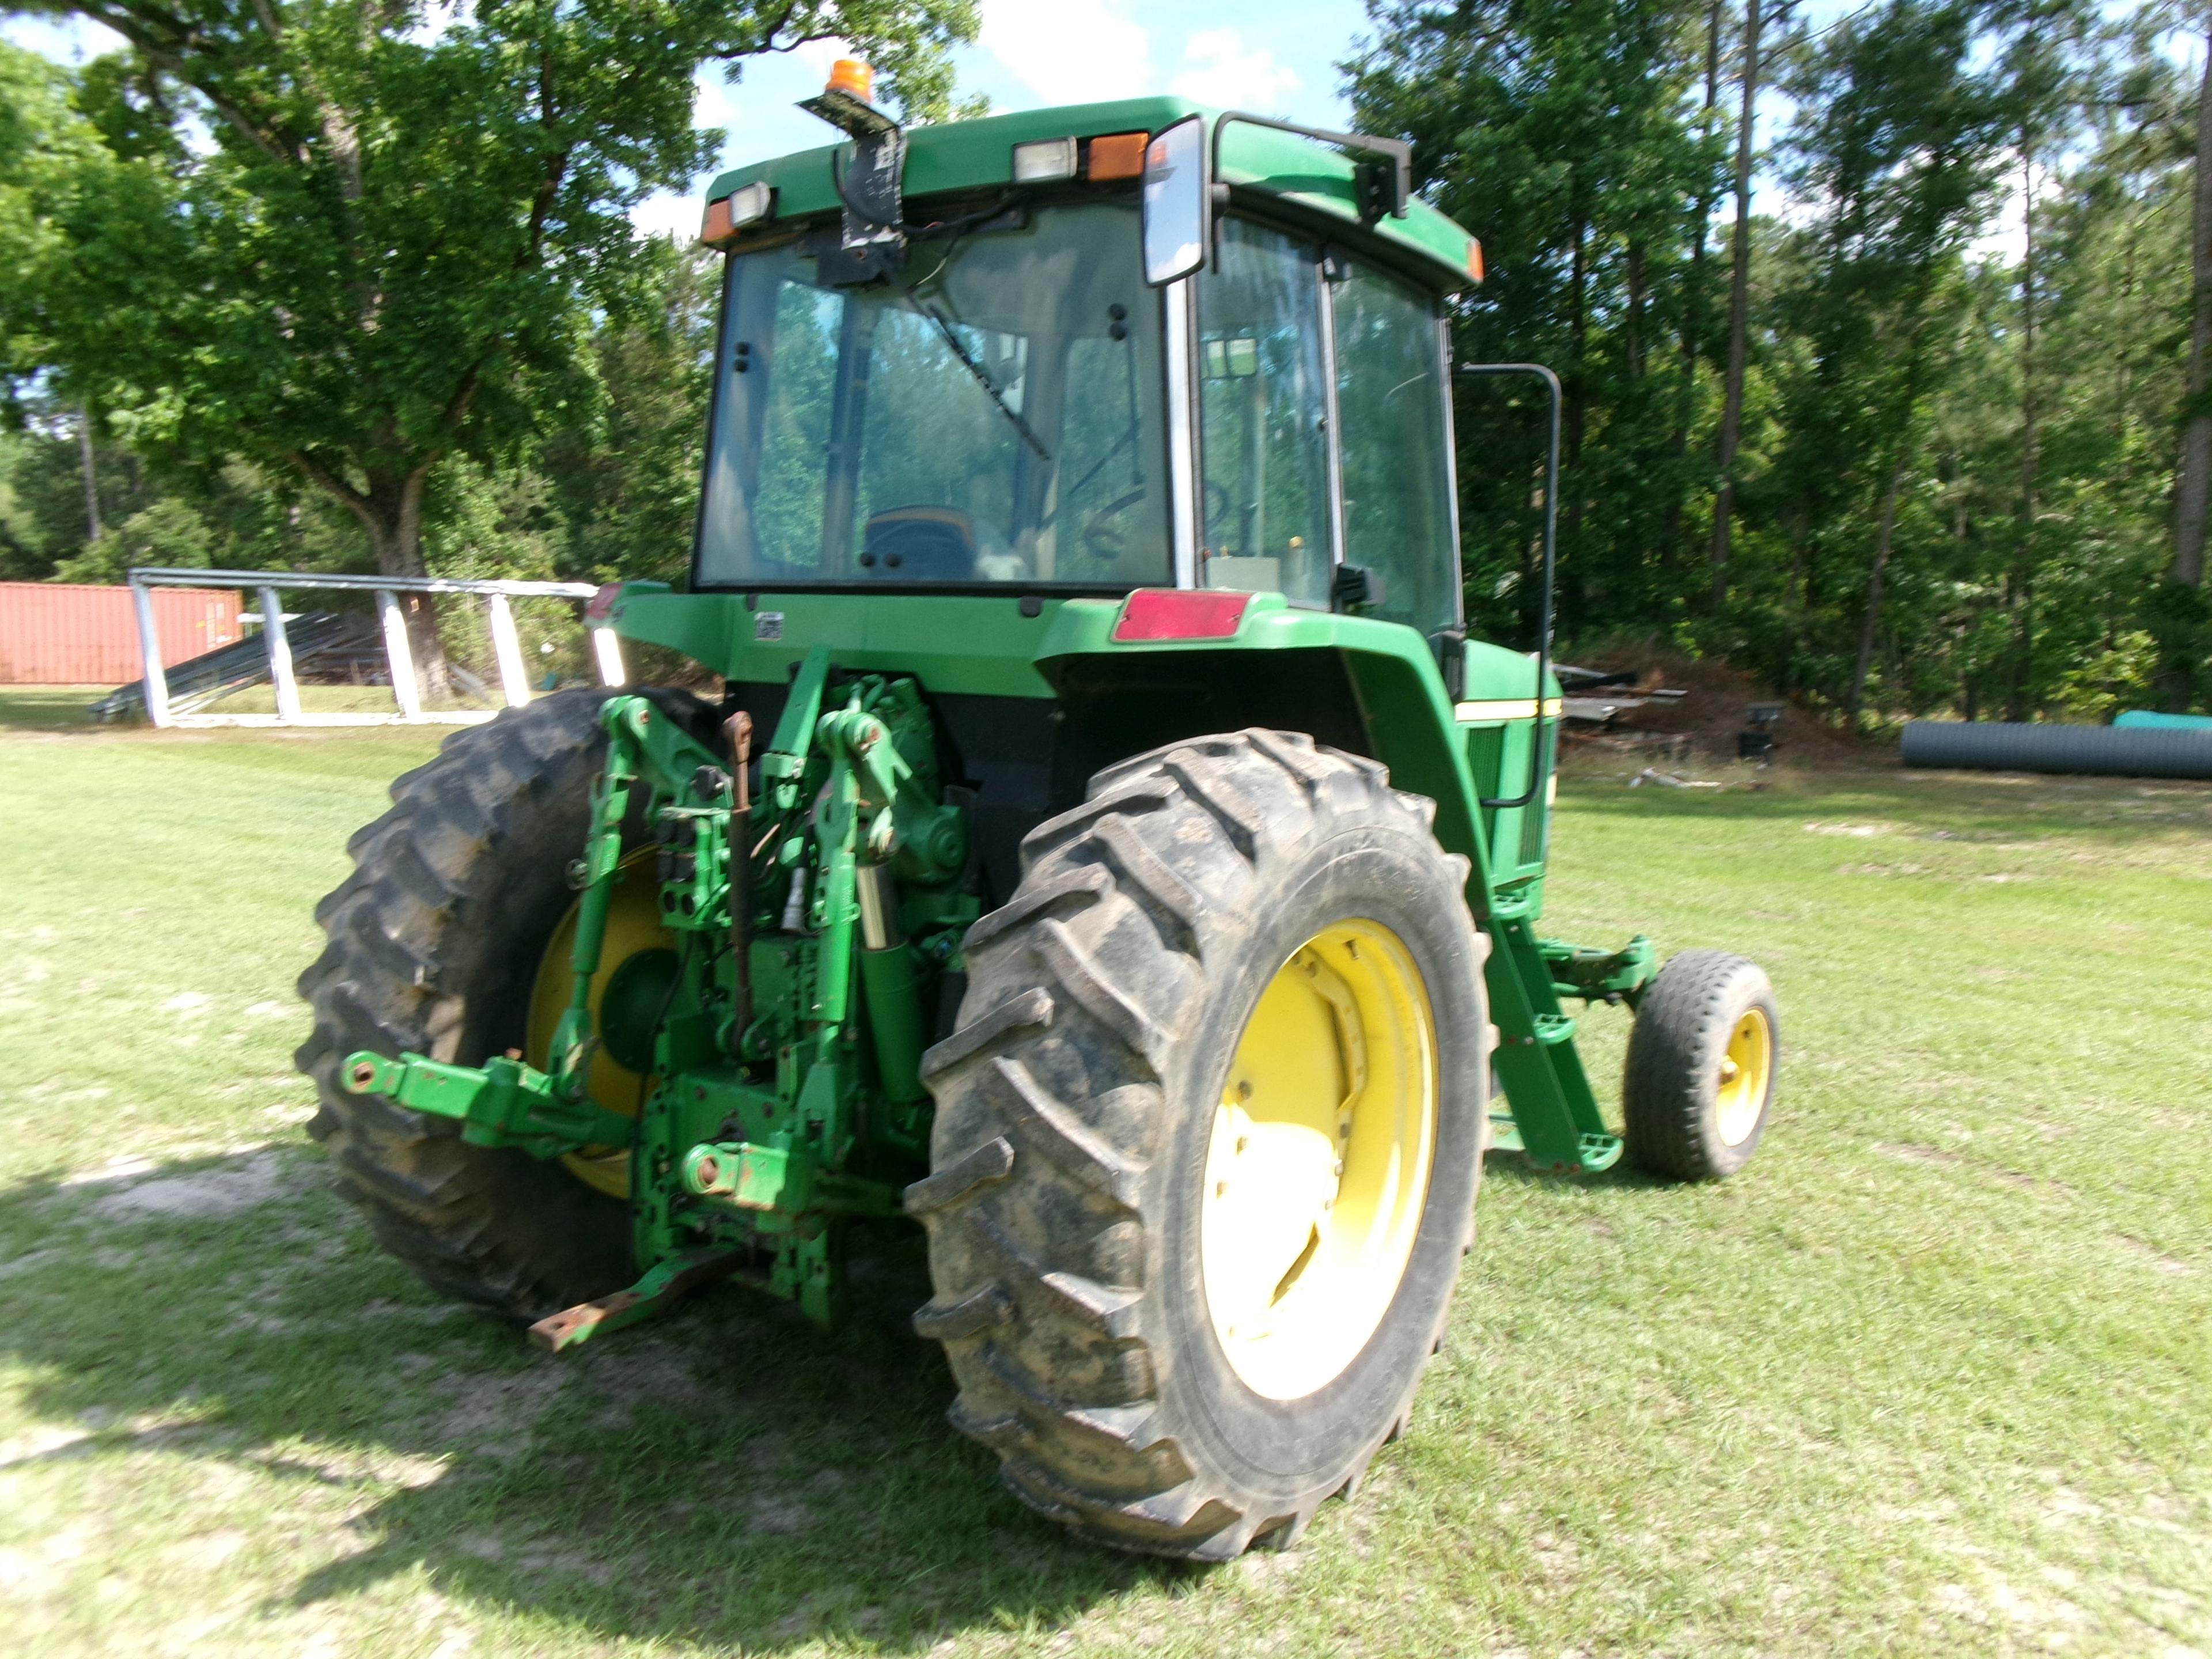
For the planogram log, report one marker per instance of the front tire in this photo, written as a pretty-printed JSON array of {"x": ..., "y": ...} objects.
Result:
[
  {"x": 1704, "y": 1057},
  {"x": 1215, "y": 908}
]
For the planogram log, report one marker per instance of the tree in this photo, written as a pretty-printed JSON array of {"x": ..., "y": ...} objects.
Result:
[
  {"x": 627, "y": 483},
  {"x": 1739, "y": 314},
  {"x": 1897, "y": 137},
  {"x": 1571, "y": 138},
  {"x": 2193, "y": 485},
  {"x": 389, "y": 250}
]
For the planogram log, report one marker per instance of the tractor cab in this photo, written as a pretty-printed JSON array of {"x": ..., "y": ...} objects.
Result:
[{"x": 1083, "y": 351}]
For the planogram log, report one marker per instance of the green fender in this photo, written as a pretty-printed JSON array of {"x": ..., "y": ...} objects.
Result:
[
  {"x": 1400, "y": 693},
  {"x": 1415, "y": 730}
]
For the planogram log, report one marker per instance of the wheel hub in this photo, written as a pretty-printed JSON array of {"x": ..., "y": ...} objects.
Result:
[
  {"x": 636, "y": 969},
  {"x": 1745, "y": 1069},
  {"x": 1318, "y": 1163}
]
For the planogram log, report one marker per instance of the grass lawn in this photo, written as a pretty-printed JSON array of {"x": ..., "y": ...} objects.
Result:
[{"x": 1933, "y": 1377}]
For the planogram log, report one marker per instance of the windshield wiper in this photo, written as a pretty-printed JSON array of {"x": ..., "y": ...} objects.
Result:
[{"x": 982, "y": 376}]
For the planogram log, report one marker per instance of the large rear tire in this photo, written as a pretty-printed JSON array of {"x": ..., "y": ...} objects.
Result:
[
  {"x": 1229, "y": 938},
  {"x": 433, "y": 945}
]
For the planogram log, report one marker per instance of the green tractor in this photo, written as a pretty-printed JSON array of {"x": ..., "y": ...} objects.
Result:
[{"x": 1107, "y": 850}]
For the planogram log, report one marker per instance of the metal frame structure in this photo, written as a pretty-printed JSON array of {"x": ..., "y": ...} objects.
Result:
[{"x": 507, "y": 646}]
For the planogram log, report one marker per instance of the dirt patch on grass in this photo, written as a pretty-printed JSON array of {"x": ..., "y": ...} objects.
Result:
[
  {"x": 203, "y": 1194},
  {"x": 1707, "y": 721}
]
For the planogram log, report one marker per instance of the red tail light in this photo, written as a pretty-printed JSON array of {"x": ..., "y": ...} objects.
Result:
[
  {"x": 1179, "y": 613},
  {"x": 601, "y": 605}
]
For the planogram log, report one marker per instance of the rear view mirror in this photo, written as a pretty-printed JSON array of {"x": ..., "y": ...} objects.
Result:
[{"x": 1178, "y": 202}]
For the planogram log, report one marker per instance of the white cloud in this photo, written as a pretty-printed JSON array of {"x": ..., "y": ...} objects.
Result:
[
  {"x": 819, "y": 55},
  {"x": 1070, "y": 51},
  {"x": 1217, "y": 70},
  {"x": 666, "y": 215},
  {"x": 710, "y": 100}
]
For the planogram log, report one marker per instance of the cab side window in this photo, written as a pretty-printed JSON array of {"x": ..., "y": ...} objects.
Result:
[
  {"x": 1393, "y": 438},
  {"x": 1263, "y": 406}
]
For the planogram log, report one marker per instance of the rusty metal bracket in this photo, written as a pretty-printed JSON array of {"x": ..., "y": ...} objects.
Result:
[{"x": 665, "y": 1286}]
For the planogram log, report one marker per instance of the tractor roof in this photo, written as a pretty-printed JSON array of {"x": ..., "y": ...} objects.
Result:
[{"x": 977, "y": 154}]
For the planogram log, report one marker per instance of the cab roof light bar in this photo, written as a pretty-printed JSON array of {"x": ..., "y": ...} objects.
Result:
[
  {"x": 727, "y": 215},
  {"x": 1109, "y": 157}
]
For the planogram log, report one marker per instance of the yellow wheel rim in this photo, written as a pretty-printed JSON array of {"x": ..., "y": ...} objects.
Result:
[
  {"x": 633, "y": 926},
  {"x": 1318, "y": 1163},
  {"x": 1745, "y": 1070}
]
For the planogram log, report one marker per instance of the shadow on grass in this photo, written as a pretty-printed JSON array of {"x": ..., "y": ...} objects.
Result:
[
  {"x": 729, "y": 1475},
  {"x": 49, "y": 707}
]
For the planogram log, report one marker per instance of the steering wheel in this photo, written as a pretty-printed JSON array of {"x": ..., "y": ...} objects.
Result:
[
  {"x": 1105, "y": 541},
  {"x": 1217, "y": 507}
]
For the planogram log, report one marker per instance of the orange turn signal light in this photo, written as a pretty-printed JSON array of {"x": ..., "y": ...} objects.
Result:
[
  {"x": 1474, "y": 259},
  {"x": 1117, "y": 156}
]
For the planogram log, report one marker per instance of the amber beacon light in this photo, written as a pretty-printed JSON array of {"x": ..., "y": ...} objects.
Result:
[{"x": 851, "y": 75}]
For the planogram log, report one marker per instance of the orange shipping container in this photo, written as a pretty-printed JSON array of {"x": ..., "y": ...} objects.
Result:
[{"x": 60, "y": 634}]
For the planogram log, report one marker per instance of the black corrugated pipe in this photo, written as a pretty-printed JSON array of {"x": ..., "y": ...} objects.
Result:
[{"x": 2129, "y": 751}]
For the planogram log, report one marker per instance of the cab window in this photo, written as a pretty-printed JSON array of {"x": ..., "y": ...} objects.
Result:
[
  {"x": 1263, "y": 430},
  {"x": 1393, "y": 442}
]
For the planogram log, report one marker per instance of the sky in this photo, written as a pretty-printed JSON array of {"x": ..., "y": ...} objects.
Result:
[{"x": 1271, "y": 57}]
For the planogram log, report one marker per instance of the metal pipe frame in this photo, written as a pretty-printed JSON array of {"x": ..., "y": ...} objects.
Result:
[{"x": 506, "y": 645}]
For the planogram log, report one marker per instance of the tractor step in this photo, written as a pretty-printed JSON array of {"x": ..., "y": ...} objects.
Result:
[{"x": 1594, "y": 1153}]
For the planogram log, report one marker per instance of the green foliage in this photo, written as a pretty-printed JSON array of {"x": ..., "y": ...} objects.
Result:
[
  {"x": 2025, "y": 405},
  {"x": 1570, "y": 139},
  {"x": 169, "y": 532},
  {"x": 395, "y": 239},
  {"x": 626, "y": 482}
]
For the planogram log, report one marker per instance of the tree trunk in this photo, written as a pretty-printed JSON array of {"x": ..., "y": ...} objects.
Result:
[
  {"x": 399, "y": 553},
  {"x": 2024, "y": 557},
  {"x": 2194, "y": 490},
  {"x": 2021, "y": 674},
  {"x": 91, "y": 479},
  {"x": 1692, "y": 342},
  {"x": 391, "y": 510},
  {"x": 1739, "y": 310},
  {"x": 2193, "y": 484},
  {"x": 1567, "y": 579},
  {"x": 1873, "y": 621}
]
